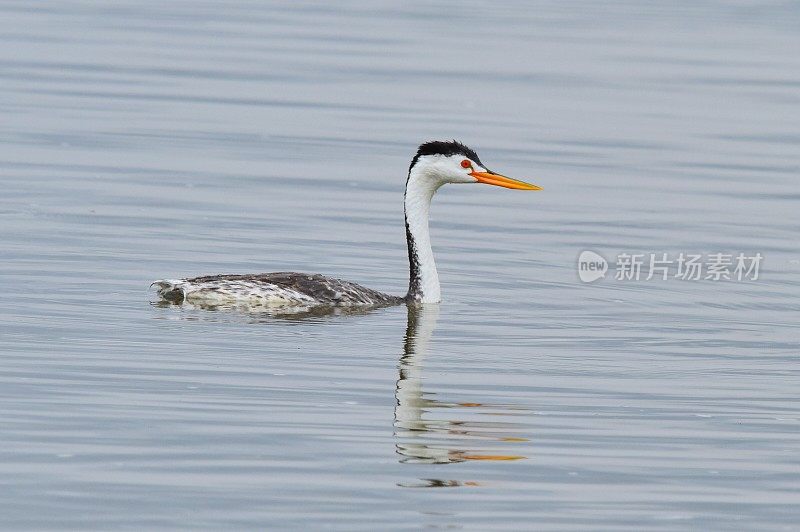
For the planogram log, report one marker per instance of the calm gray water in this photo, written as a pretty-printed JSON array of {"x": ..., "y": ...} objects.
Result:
[{"x": 141, "y": 140}]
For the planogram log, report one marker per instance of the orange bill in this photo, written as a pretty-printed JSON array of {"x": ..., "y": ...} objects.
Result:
[{"x": 490, "y": 178}]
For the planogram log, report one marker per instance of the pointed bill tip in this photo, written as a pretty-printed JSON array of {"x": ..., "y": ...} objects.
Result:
[{"x": 490, "y": 178}]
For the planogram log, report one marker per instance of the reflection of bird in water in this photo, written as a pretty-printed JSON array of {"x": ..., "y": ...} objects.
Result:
[
  {"x": 419, "y": 438},
  {"x": 423, "y": 440},
  {"x": 435, "y": 164}
]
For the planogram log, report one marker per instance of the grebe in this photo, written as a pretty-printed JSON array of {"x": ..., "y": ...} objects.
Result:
[{"x": 435, "y": 164}]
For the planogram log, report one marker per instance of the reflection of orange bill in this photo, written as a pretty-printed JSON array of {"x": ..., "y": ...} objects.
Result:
[
  {"x": 514, "y": 439},
  {"x": 491, "y": 457}
]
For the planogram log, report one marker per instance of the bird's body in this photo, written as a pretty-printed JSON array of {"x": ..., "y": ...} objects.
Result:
[
  {"x": 435, "y": 164},
  {"x": 272, "y": 289}
]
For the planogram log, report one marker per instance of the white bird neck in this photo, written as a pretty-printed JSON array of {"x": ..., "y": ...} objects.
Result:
[{"x": 423, "y": 285}]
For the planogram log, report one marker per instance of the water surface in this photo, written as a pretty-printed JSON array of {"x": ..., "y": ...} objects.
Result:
[{"x": 142, "y": 140}]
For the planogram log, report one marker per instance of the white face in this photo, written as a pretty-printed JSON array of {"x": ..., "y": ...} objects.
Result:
[{"x": 448, "y": 169}]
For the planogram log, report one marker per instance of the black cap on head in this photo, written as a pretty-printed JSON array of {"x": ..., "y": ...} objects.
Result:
[{"x": 446, "y": 148}]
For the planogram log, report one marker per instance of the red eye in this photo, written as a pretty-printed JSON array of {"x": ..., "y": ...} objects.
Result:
[{"x": 466, "y": 163}]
